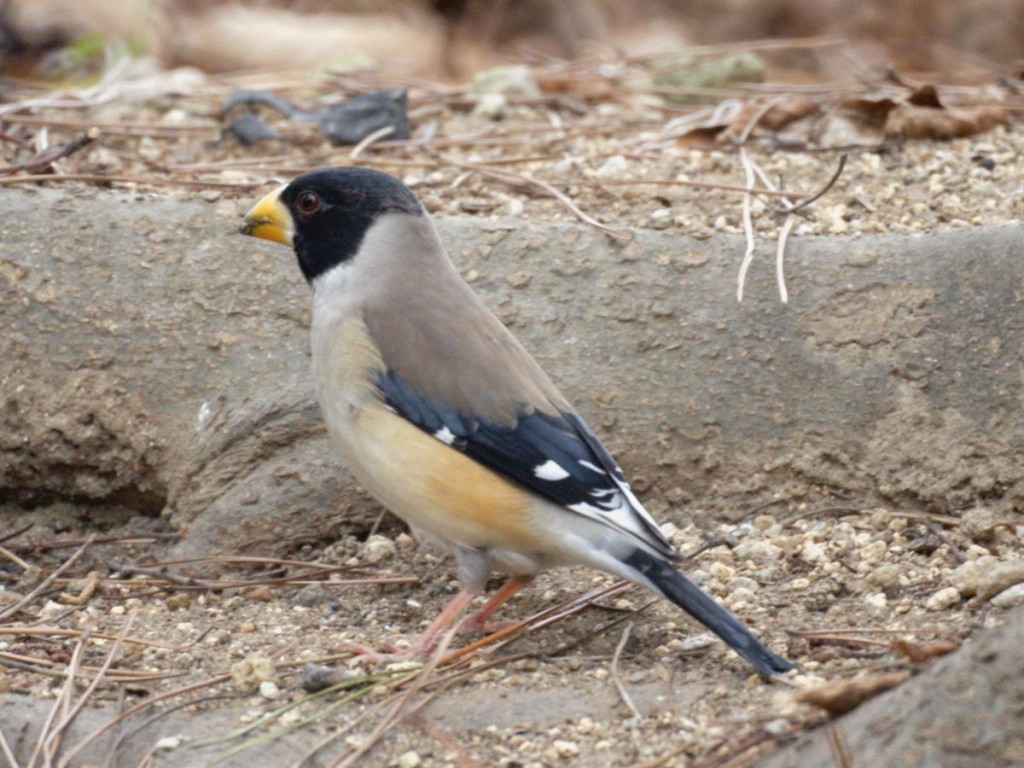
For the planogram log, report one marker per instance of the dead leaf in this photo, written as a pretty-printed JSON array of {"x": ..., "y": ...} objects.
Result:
[
  {"x": 854, "y": 122},
  {"x": 788, "y": 111},
  {"x": 841, "y": 696},
  {"x": 925, "y": 96},
  {"x": 702, "y": 137},
  {"x": 777, "y": 117},
  {"x": 909, "y": 121},
  {"x": 580, "y": 86},
  {"x": 850, "y": 122},
  {"x": 260, "y": 593},
  {"x": 923, "y": 651}
]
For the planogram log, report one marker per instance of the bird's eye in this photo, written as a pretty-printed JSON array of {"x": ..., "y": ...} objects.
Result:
[{"x": 308, "y": 202}]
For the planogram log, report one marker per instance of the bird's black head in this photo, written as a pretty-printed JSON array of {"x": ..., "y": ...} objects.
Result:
[{"x": 325, "y": 214}]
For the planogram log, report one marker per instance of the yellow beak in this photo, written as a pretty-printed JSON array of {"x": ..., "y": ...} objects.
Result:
[{"x": 270, "y": 220}]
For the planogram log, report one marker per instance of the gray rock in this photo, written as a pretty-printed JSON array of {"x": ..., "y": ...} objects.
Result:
[
  {"x": 962, "y": 711},
  {"x": 155, "y": 359}
]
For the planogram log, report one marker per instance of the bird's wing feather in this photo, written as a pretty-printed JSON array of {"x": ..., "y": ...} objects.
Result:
[{"x": 553, "y": 454}]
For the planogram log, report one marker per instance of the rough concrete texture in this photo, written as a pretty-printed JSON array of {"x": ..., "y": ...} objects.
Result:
[
  {"x": 965, "y": 711},
  {"x": 156, "y": 359}
]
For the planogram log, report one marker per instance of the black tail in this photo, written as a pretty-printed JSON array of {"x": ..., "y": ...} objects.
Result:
[{"x": 688, "y": 596}]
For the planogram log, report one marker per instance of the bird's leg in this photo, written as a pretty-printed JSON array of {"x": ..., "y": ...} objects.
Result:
[
  {"x": 477, "y": 621},
  {"x": 426, "y": 641},
  {"x": 473, "y": 567}
]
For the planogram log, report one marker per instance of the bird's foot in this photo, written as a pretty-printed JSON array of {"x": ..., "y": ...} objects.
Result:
[
  {"x": 391, "y": 654},
  {"x": 481, "y": 626}
]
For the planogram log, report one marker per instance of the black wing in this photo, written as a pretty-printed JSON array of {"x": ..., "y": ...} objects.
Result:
[{"x": 554, "y": 454}]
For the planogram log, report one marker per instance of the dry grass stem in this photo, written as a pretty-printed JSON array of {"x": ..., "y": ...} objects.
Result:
[
  {"x": 141, "y": 706},
  {"x": 617, "y": 680},
  {"x": 61, "y": 632},
  {"x": 373, "y": 138},
  {"x": 158, "y": 181},
  {"x": 47, "y": 156},
  {"x": 5, "y": 749},
  {"x": 400, "y": 708},
  {"x": 780, "y": 251},
  {"x": 837, "y": 746},
  {"x": 46, "y": 583},
  {"x": 8, "y": 555},
  {"x": 70, "y": 715},
  {"x": 748, "y": 223}
]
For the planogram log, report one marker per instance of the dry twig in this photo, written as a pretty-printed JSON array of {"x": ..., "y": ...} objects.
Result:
[
  {"x": 623, "y": 693},
  {"x": 50, "y": 155},
  {"x": 46, "y": 583},
  {"x": 748, "y": 223}
]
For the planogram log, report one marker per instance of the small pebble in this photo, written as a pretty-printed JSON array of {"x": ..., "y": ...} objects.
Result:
[
  {"x": 511, "y": 80},
  {"x": 378, "y": 548},
  {"x": 179, "y": 601},
  {"x": 1009, "y": 598},
  {"x": 697, "y": 643},
  {"x": 491, "y": 106},
  {"x": 565, "y": 748},
  {"x": 1001, "y": 576},
  {"x": 261, "y": 594},
  {"x": 943, "y": 599},
  {"x": 966, "y": 576},
  {"x": 813, "y": 552},
  {"x": 740, "y": 598},
  {"x": 979, "y": 524},
  {"x": 885, "y": 576},
  {"x": 312, "y": 595},
  {"x": 409, "y": 759},
  {"x": 51, "y": 609},
  {"x": 873, "y": 551},
  {"x": 877, "y": 600},
  {"x": 743, "y": 582},
  {"x": 721, "y": 571},
  {"x": 269, "y": 689},
  {"x": 880, "y": 517},
  {"x": 316, "y": 677},
  {"x": 248, "y": 673},
  {"x": 613, "y": 166}
]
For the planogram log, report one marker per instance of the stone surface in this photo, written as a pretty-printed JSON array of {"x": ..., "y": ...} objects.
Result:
[
  {"x": 157, "y": 360},
  {"x": 963, "y": 711}
]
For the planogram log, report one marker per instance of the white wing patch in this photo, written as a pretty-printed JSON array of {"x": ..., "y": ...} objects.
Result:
[
  {"x": 447, "y": 437},
  {"x": 592, "y": 467},
  {"x": 550, "y": 470}
]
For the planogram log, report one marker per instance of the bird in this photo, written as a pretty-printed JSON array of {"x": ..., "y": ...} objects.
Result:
[{"x": 442, "y": 415}]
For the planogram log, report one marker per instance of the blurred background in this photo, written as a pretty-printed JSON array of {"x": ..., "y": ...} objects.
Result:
[{"x": 452, "y": 39}]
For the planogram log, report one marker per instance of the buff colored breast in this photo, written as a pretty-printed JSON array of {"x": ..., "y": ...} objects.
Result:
[{"x": 428, "y": 484}]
